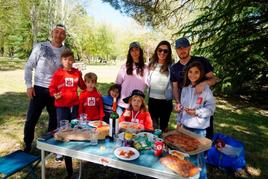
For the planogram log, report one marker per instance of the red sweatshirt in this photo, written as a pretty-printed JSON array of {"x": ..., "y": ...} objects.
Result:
[
  {"x": 67, "y": 83},
  {"x": 140, "y": 117},
  {"x": 90, "y": 102}
]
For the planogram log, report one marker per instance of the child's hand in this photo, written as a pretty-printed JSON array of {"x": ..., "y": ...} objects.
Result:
[
  {"x": 191, "y": 112},
  {"x": 57, "y": 95},
  {"x": 100, "y": 123},
  {"x": 178, "y": 107},
  {"x": 127, "y": 113}
]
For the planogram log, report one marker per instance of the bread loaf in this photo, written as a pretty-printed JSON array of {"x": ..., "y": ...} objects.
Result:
[{"x": 182, "y": 167}]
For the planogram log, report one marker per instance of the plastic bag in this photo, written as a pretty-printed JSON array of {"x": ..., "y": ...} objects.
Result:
[{"x": 223, "y": 159}]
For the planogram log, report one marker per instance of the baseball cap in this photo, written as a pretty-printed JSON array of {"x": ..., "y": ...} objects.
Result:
[
  {"x": 134, "y": 93},
  {"x": 60, "y": 26},
  {"x": 182, "y": 42},
  {"x": 134, "y": 45}
]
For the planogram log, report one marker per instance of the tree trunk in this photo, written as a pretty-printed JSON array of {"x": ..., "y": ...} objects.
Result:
[{"x": 33, "y": 16}]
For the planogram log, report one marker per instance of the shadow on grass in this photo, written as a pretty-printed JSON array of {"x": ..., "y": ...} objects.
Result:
[
  {"x": 249, "y": 127},
  {"x": 12, "y": 105}
]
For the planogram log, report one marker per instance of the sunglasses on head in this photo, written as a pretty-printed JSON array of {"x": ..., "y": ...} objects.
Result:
[{"x": 160, "y": 50}]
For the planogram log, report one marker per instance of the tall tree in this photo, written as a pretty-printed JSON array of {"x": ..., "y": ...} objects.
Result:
[
  {"x": 7, "y": 25},
  {"x": 232, "y": 34}
]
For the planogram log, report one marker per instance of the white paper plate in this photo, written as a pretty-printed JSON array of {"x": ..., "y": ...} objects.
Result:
[
  {"x": 96, "y": 123},
  {"x": 126, "y": 150}
]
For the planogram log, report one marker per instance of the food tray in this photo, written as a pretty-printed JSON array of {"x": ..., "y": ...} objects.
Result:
[
  {"x": 204, "y": 145},
  {"x": 131, "y": 127}
]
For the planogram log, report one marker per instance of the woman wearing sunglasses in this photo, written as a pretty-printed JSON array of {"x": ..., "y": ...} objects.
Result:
[{"x": 160, "y": 94}]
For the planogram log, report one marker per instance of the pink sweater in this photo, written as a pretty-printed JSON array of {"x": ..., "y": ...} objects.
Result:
[{"x": 130, "y": 82}]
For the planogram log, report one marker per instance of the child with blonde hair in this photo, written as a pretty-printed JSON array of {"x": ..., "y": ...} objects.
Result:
[{"x": 137, "y": 111}]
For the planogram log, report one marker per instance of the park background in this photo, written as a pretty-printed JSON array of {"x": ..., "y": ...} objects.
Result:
[{"x": 232, "y": 35}]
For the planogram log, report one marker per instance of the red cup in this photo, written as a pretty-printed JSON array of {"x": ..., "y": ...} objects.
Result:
[{"x": 158, "y": 147}]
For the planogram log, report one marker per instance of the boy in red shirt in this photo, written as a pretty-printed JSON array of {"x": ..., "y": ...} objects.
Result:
[
  {"x": 63, "y": 87},
  {"x": 90, "y": 102},
  {"x": 137, "y": 111}
]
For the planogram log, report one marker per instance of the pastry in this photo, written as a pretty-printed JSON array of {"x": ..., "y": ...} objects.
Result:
[{"x": 182, "y": 167}]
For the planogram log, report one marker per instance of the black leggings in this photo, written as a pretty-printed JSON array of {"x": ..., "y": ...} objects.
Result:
[{"x": 160, "y": 109}]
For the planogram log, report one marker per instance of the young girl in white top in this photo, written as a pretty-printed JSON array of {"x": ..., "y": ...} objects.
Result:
[{"x": 196, "y": 109}]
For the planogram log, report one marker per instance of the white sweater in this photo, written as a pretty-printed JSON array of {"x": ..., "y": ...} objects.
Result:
[{"x": 45, "y": 60}]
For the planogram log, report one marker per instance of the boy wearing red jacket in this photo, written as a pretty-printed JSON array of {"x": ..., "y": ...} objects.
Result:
[
  {"x": 90, "y": 101},
  {"x": 63, "y": 87}
]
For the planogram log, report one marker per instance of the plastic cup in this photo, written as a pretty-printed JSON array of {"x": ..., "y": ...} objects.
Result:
[
  {"x": 83, "y": 119},
  {"x": 64, "y": 125},
  {"x": 94, "y": 136},
  {"x": 158, "y": 147},
  {"x": 118, "y": 143}
]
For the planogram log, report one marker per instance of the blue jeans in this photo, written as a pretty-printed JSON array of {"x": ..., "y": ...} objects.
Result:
[
  {"x": 66, "y": 113},
  {"x": 200, "y": 158}
]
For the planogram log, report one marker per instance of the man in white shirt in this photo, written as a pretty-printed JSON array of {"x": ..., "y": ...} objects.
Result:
[{"x": 44, "y": 61}]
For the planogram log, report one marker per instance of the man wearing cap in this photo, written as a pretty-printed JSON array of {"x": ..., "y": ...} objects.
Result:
[
  {"x": 177, "y": 73},
  {"x": 44, "y": 61}
]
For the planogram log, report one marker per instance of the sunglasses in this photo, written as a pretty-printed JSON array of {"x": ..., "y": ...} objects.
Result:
[{"x": 160, "y": 50}]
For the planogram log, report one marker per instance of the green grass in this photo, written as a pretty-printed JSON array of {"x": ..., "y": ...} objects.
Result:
[
  {"x": 246, "y": 124},
  {"x": 240, "y": 120},
  {"x": 7, "y": 64}
]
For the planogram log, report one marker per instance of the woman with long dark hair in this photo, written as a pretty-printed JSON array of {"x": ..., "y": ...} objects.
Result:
[
  {"x": 133, "y": 74},
  {"x": 160, "y": 103}
]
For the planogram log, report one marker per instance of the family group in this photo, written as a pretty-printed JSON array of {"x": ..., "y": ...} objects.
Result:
[{"x": 183, "y": 87}]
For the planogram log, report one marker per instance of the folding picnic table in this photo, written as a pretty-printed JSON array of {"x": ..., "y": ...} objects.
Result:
[{"x": 147, "y": 164}]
